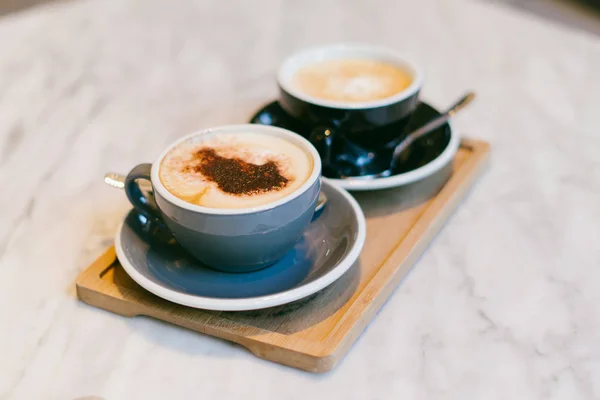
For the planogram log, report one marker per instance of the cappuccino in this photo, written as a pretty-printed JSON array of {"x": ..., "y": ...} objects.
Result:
[
  {"x": 234, "y": 169},
  {"x": 351, "y": 80}
]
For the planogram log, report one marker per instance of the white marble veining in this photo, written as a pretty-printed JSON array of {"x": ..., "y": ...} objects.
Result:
[{"x": 505, "y": 304}]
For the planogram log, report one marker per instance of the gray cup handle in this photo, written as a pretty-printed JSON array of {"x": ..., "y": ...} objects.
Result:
[{"x": 141, "y": 201}]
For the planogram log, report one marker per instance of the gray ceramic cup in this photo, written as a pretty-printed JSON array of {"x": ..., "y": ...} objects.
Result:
[{"x": 237, "y": 239}]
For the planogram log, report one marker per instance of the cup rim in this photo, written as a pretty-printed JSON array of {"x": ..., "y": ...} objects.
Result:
[
  {"x": 274, "y": 131},
  {"x": 319, "y": 53}
]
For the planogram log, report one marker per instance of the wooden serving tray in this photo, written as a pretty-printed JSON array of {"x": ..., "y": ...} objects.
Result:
[{"x": 314, "y": 334}]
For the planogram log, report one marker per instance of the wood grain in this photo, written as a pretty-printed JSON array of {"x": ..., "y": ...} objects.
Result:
[{"x": 314, "y": 334}]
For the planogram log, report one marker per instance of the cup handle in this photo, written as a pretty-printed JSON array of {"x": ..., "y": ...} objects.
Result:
[
  {"x": 322, "y": 138},
  {"x": 142, "y": 202}
]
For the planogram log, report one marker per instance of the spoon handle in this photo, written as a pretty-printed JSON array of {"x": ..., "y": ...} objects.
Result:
[
  {"x": 115, "y": 180},
  {"x": 431, "y": 125}
]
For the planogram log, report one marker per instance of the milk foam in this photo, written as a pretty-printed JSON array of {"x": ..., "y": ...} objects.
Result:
[
  {"x": 351, "y": 80},
  {"x": 183, "y": 181}
]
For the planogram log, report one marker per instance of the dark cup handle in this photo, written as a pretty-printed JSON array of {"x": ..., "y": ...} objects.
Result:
[
  {"x": 322, "y": 138},
  {"x": 144, "y": 203}
]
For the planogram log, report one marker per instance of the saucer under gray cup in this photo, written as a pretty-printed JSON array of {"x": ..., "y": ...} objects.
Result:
[
  {"x": 232, "y": 240},
  {"x": 325, "y": 251}
]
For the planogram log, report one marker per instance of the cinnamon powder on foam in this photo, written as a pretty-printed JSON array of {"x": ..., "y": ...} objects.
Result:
[{"x": 236, "y": 176}]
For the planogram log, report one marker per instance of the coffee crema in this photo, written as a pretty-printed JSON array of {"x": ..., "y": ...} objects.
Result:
[
  {"x": 234, "y": 170},
  {"x": 351, "y": 80}
]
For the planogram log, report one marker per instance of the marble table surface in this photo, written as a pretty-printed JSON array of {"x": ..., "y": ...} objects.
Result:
[{"x": 505, "y": 303}]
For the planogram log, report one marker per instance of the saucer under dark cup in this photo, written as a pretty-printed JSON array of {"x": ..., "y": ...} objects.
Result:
[{"x": 347, "y": 156}]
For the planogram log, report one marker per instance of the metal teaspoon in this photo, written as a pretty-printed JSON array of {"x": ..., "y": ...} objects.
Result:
[{"x": 414, "y": 135}]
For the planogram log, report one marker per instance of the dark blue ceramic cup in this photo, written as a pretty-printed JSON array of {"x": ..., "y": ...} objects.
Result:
[
  {"x": 355, "y": 128},
  {"x": 237, "y": 239}
]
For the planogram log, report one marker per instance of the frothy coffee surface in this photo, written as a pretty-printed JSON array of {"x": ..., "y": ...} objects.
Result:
[
  {"x": 234, "y": 170},
  {"x": 351, "y": 80}
]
